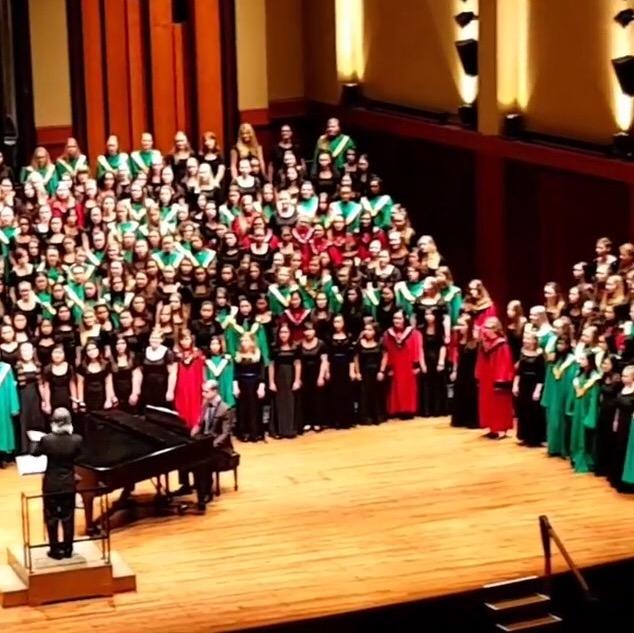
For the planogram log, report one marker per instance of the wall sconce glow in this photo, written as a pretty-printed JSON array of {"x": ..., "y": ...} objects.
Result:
[
  {"x": 622, "y": 104},
  {"x": 523, "y": 29},
  {"x": 349, "y": 33}
]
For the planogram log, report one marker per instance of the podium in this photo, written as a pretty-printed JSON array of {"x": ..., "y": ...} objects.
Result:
[{"x": 31, "y": 578}]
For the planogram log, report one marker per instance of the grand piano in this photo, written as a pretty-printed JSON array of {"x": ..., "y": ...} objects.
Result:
[{"x": 120, "y": 450}]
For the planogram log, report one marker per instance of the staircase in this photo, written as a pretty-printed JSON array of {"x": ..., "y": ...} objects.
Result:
[{"x": 519, "y": 605}]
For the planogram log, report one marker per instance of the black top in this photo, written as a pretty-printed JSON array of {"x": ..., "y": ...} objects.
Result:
[{"x": 61, "y": 452}]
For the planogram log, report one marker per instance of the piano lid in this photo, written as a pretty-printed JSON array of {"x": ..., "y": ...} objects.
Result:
[{"x": 113, "y": 438}]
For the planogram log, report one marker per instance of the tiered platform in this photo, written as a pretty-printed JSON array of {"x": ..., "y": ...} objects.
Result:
[{"x": 85, "y": 575}]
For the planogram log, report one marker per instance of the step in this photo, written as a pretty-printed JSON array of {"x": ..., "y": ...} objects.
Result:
[
  {"x": 13, "y": 590},
  {"x": 522, "y": 608},
  {"x": 513, "y": 588},
  {"x": 546, "y": 623},
  {"x": 123, "y": 578}
]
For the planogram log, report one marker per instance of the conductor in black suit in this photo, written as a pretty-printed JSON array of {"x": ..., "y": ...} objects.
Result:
[
  {"x": 61, "y": 447},
  {"x": 216, "y": 420}
]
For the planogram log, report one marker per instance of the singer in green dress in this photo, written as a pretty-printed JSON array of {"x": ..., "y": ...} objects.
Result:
[
  {"x": 557, "y": 389},
  {"x": 584, "y": 410},
  {"x": 10, "y": 407}
]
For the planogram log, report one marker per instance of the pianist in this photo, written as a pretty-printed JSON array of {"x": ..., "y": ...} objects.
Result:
[
  {"x": 216, "y": 421},
  {"x": 61, "y": 447}
]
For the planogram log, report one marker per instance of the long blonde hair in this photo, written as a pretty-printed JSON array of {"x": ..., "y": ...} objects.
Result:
[
  {"x": 245, "y": 149},
  {"x": 41, "y": 148}
]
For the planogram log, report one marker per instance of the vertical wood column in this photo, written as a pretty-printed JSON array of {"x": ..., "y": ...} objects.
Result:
[
  {"x": 491, "y": 256},
  {"x": 162, "y": 73},
  {"x": 208, "y": 64},
  {"x": 93, "y": 77},
  {"x": 141, "y": 72},
  {"x": 137, "y": 76},
  {"x": 117, "y": 70}
]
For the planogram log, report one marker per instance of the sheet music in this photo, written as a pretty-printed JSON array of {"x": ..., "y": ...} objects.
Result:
[{"x": 31, "y": 465}]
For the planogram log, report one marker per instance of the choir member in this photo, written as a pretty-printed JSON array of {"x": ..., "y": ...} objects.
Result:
[
  {"x": 190, "y": 376},
  {"x": 527, "y": 389},
  {"x": 516, "y": 322},
  {"x": 465, "y": 387},
  {"x": 313, "y": 356},
  {"x": 159, "y": 373},
  {"x": 284, "y": 383},
  {"x": 126, "y": 375},
  {"x": 219, "y": 367},
  {"x": 10, "y": 409},
  {"x": 609, "y": 389},
  {"x": 94, "y": 380},
  {"x": 341, "y": 375},
  {"x": 560, "y": 374},
  {"x": 367, "y": 360},
  {"x": 401, "y": 363},
  {"x": 433, "y": 378},
  {"x": 59, "y": 388},
  {"x": 583, "y": 410},
  {"x": 249, "y": 390},
  {"x": 621, "y": 428},
  {"x": 494, "y": 372}
]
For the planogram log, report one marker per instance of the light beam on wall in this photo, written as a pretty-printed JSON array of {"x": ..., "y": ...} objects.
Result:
[
  {"x": 622, "y": 104},
  {"x": 349, "y": 38},
  {"x": 466, "y": 30},
  {"x": 523, "y": 88}
]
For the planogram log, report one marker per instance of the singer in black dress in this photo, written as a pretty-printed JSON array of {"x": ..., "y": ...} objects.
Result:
[
  {"x": 465, "y": 400},
  {"x": 433, "y": 379},
  {"x": 341, "y": 373},
  {"x": 284, "y": 383},
  {"x": 621, "y": 431},
  {"x": 314, "y": 360},
  {"x": 610, "y": 387},
  {"x": 249, "y": 389},
  {"x": 367, "y": 360},
  {"x": 527, "y": 389}
]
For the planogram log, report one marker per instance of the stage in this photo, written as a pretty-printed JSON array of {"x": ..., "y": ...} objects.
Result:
[{"x": 340, "y": 521}]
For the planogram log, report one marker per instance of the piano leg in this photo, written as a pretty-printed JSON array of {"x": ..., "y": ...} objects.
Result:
[
  {"x": 88, "y": 498},
  {"x": 204, "y": 488}
]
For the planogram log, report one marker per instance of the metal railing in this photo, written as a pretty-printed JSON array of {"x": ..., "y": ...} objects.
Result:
[
  {"x": 549, "y": 536},
  {"x": 102, "y": 535}
]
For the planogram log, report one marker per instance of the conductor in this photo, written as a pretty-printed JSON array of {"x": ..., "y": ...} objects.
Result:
[{"x": 61, "y": 447}]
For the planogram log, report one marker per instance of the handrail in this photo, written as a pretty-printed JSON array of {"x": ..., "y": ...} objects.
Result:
[
  {"x": 103, "y": 535},
  {"x": 548, "y": 534}
]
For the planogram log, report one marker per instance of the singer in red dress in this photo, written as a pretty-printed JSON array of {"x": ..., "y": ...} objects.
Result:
[
  {"x": 494, "y": 373},
  {"x": 403, "y": 359},
  {"x": 189, "y": 380}
]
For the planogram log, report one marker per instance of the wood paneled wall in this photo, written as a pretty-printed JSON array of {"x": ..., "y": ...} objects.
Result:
[{"x": 144, "y": 72}]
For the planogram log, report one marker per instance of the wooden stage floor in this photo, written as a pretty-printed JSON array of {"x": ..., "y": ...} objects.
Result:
[{"x": 340, "y": 521}]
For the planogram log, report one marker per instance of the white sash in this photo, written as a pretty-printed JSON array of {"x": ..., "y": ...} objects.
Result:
[
  {"x": 72, "y": 295},
  {"x": 274, "y": 290},
  {"x": 401, "y": 287},
  {"x": 136, "y": 157},
  {"x": 101, "y": 159},
  {"x": 50, "y": 171},
  {"x": 354, "y": 215},
  {"x": 216, "y": 370},
  {"x": 341, "y": 145}
]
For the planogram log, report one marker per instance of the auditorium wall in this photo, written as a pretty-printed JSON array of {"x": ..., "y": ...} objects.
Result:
[
  {"x": 251, "y": 44},
  {"x": 571, "y": 88},
  {"x": 320, "y": 51},
  {"x": 50, "y": 67},
  {"x": 285, "y": 49},
  {"x": 410, "y": 55}
]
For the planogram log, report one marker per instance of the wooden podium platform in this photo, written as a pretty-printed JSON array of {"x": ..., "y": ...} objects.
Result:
[{"x": 85, "y": 575}]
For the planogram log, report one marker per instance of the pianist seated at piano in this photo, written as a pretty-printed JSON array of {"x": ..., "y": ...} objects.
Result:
[{"x": 215, "y": 422}]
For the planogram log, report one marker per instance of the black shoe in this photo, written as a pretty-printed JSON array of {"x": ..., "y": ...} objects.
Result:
[
  {"x": 55, "y": 554},
  {"x": 182, "y": 491},
  {"x": 67, "y": 552},
  {"x": 201, "y": 507}
]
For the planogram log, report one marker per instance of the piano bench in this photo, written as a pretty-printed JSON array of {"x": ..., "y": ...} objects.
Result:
[{"x": 232, "y": 463}]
